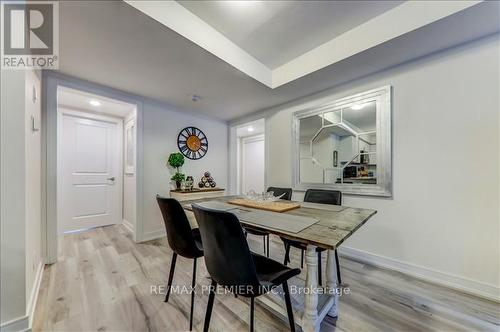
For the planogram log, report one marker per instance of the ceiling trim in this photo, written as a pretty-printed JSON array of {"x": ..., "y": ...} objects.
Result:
[
  {"x": 396, "y": 22},
  {"x": 402, "y": 19},
  {"x": 176, "y": 17}
]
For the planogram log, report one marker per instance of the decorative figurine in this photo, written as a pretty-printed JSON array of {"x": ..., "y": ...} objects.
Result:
[
  {"x": 207, "y": 181},
  {"x": 189, "y": 183}
]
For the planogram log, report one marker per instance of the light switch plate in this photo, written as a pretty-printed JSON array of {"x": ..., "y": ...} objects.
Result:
[{"x": 35, "y": 123}]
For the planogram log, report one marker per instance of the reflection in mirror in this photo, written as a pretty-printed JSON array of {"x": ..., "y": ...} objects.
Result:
[
  {"x": 339, "y": 146},
  {"x": 333, "y": 117},
  {"x": 345, "y": 145}
]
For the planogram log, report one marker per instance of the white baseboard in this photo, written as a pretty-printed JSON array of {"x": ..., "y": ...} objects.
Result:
[
  {"x": 16, "y": 325},
  {"x": 24, "y": 323},
  {"x": 448, "y": 280},
  {"x": 128, "y": 225},
  {"x": 148, "y": 236},
  {"x": 34, "y": 293}
]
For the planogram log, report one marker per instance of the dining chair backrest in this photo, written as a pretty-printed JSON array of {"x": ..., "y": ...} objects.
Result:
[
  {"x": 179, "y": 233},
  {"x": 280, "y": 191},
  {"x": 322, "y": 196},
  {"x": 227, "y": 255}
]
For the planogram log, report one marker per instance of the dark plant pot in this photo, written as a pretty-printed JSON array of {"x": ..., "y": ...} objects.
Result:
[{"x": 178, "y": 185}]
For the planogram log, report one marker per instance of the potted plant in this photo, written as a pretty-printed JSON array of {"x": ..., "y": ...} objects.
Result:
[{"x": 176, "y": 160}]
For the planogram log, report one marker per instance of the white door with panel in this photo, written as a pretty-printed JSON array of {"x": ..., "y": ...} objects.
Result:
[
  {"x": 90, "y": 172},
  {"x": 252, "y": 164}
]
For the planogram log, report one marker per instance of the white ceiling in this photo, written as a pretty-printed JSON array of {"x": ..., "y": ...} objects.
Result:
[
  {"x": 80, "y": 101},
  {"x": 364, "y": 119},
  {"x": 113, "y": 44},
  {"x": 252, "y": 128},
  {"x": 275, "y": 32},
  {"x": 391, "y": 23}
]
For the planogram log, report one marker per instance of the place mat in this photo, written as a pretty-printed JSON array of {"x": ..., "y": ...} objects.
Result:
[
  {"x": 272, "y": 220},
  {"x": 276, "y": 206},
  {"x": 329, "y": 207},
  {"x": 215, "y": 205}
]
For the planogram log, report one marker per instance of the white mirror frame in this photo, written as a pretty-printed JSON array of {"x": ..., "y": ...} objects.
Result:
[{"x": 382, "y": 97}]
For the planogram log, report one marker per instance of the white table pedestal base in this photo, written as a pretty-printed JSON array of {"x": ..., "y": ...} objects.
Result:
[{"x": 312, "y": 304}]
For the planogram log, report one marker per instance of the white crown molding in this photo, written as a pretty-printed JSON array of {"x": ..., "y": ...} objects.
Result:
[
  {"x": 394, "y": 23},
  {"x": 176, "y": 17}
]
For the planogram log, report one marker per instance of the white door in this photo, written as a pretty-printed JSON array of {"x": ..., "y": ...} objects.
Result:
[
  {"x": 89, "y": 175},
  {"x": 252, "y": 164}
]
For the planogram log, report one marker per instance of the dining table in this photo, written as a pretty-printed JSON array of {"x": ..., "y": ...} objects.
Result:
[{"x": 315, "y": 225}]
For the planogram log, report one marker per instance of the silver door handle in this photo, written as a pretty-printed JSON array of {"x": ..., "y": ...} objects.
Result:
[{"x": 111, "y": 178}]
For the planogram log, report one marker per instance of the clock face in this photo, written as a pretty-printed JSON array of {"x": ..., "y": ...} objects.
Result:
[{"x": 192, "y": 143}]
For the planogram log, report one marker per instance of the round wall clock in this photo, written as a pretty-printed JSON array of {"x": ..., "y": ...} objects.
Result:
[{"x": 192, "y": 143}]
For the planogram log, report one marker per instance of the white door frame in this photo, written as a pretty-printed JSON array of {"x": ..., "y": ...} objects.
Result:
[
  {"x": 50, "y": 83},
  {"x": 241, "y": 165},
  {"x": 61, "y": 111}
]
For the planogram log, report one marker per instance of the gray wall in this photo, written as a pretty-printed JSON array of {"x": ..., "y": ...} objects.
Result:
[
  {"x": 161, "y": 125},
  {"x": 443, "y": 219}
]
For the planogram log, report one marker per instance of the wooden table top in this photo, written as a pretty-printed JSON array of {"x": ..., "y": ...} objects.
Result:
[
  {"x": 196, "y": 190},
  {"x": 332, "y": 229}
]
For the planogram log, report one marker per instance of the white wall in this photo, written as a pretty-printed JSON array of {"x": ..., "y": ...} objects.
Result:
[
  {"x": 443, "y": 219},
  {"x": 129, "y": 181},
  {"x": 13, "y": 209},
  {"x": 34, "y": 261},
  {"x": 20, "y": 199},
  {"x": 161, "y": 125}
]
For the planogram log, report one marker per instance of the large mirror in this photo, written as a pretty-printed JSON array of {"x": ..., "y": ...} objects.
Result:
[{"x": 345, "y": 145}]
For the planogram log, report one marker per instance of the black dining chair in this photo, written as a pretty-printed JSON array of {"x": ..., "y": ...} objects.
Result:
[
  {"x": 231, "y": 264},
  {"x": 183, "y": 241},
  {"x": 333, "y": 197},
  {"x": 287, "y": 195}
]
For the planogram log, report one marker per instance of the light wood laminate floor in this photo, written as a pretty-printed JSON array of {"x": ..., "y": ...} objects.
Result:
[{"x": 102, "y": 282}]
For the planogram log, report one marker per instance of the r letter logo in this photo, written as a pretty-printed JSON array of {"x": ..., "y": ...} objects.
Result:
[{"x": 30, "y": 34}]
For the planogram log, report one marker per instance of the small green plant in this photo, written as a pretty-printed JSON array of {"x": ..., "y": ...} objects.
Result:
[
  {"x": 178, "y": 177},
  {"x": 176, "y": 160}
]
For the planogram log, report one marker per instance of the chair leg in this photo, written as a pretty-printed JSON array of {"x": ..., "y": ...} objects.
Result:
[
  {"x": 289, "y": 306},
  {"x": 252, "y": 311},
  {"x": 319, "y": 269},
  {"x": 268, "y": 247},
  {"x": 210, "y": 305},
  {"x": 264, "y": 243},
  {"x": 287, "y": 254},
  {"x": 193, "y": 284},
  {"x": 337, "y": 261},
  {"x": 302, "y": 259},
  {"x": 171, "y": 275}
]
